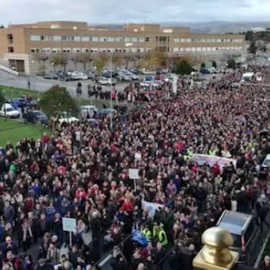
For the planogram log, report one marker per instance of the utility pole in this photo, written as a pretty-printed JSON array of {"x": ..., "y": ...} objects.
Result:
[
  {"x": 80, "y": 117},
  {"x": 111, "y": 115}
]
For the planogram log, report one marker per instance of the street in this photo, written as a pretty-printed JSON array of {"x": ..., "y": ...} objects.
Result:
[{"x": 42, "y": 85}]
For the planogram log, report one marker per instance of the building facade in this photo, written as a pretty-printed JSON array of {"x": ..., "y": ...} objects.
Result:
[{"x": 20, "y": 42}]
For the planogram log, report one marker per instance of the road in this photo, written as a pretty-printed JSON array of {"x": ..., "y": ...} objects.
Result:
[{"x": 42, "y": 85}]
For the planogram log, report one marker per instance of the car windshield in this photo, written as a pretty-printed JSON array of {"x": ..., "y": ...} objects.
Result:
[
  {"x": 9, "y": 110},
  {"x": 236, "y": 240},
  {"x": 38, "y": 114}
]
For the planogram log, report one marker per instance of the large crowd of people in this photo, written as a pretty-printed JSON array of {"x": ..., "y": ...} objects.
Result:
[{"x": 82, "y": 172}]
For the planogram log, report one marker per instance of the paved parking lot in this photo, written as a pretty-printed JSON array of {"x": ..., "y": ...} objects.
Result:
[{"x": 41, "y": 85}]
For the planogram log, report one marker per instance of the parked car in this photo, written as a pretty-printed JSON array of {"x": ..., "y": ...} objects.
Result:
[
  {"x": 35, "y": 116},
  {"x": 66, "y": 117},
  {"x": 106, "y": 81},
  {"x": 8, "y": 111},
  {"x": 51, "y": 76},
  {"x": 88, "y": 110},
  {"x": 106, "y": 111},
  {"x": 40, "y": 117},
  {"x": 123, "y": 77},
  {"x": 244, "y": 230},
  {"x": 76, "y": 75},
  {"x": 18, "y": 102},
  {"x": 205, "y": 71},
  {"x": 91, "y": 75}
]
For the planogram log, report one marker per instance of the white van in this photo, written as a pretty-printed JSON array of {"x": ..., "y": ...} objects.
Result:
[
  {"x": 8, "y": 111},
  {"x": 247, "y": 77},
  {"x": 88, "y": 109}
]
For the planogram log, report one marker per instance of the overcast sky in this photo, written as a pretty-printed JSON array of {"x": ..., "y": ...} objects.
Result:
[{"x": 123, "y": 11}]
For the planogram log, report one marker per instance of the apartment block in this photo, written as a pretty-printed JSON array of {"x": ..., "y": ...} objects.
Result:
[{"x": 18, "y": 43}]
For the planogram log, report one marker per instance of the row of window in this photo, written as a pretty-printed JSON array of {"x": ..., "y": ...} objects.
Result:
[
  {"x": 206, "y": 49},
  {"x": 126, "y": 39},
  {"x": 88, "y": 39},
  {"x": 207, "y": 40},
  {"x": 79, "y": 50}
]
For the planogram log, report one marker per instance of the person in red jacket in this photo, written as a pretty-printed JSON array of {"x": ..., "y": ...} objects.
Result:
[
  {"x": 80, "y": 193},
  {"x": 127, "y": 205},
  {"x": 216, "y": 170}
]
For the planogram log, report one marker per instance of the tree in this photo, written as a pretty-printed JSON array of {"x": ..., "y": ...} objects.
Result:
[
  {"x": 60, "y": 59},
  {"x": 116, "y": 59},
  {"x": 84, "y": 58},
  {"x": 249, "y": 35},
  {"x": 214, "y": 64},
  {"x": 41, "y": 57},
  {"x": 156, "y": 59},
  {"x": 127, "y": 58},
  {"x": 182, "y": 68},
  {"x": 231, "y": 64},
  {"x": 100, "y": 62},
  {"x": 2, "y": 100},
  {"x": 252, "y": 48},
  {"x": 56, "y": 100},
  {"x": 202, "y": 65}
]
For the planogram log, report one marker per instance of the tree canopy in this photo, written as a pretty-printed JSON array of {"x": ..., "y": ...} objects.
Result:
[
  {"x": 100, "y": 62},
  {"x": 252, "y": 48},
  {"x": 84, "y": 58},
  {"x": 56, "y": 100},
  {"x": 60, "y": 59},
  {"x": 182, "y": 68},
  {"x": 231, "y": 64}
]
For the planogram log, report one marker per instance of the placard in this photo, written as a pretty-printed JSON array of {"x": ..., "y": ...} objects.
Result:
[
  {"x": 133, "y": 174},
  {"x": 69, "y": 224}
]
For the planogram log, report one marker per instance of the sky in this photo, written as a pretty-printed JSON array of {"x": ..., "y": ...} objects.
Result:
[{"x": 132, "y": 11}]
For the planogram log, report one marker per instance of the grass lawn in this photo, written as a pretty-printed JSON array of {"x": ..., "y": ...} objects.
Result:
[
  {"x": 12, "y": 92},
  {"x": 13, "y": 131}
]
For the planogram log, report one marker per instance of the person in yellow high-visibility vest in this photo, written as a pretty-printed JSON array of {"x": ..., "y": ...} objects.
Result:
[
  {"x": 212, "y": 152},
  {"x": 155, "y": 231},
  {"x": 162, "y": 237},
  {"x": 147, "y": 233}
]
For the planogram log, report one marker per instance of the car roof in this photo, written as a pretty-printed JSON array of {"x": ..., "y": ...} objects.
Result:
[
  {"x": 234, "y": 222},
  {"x": 88, "y": 106}
]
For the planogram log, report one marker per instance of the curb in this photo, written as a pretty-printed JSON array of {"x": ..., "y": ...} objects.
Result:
[{"x": 262, "y": 250}]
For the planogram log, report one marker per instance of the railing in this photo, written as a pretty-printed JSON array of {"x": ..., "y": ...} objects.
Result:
[{"x": 9, "y": 70}]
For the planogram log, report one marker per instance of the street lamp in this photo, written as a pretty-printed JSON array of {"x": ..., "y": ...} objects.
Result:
[{"x": 111, "y": 60}]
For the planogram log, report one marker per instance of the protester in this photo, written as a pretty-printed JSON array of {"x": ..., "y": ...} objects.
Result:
[{"x": 175, "y": 200}]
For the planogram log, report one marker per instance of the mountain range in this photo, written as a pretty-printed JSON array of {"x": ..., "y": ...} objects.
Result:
[{"x": 210, "y": 27}]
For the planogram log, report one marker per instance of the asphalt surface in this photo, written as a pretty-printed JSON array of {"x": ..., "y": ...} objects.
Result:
[{"x": 40, "y": 84}]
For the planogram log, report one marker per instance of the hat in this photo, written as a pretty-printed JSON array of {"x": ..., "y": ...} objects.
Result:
[
  {"x": 267, "y": 258},
  {"x": 191, "y": 247},
  {"x": 54, "y": 238},
  {"x": 42, "y": 260}
]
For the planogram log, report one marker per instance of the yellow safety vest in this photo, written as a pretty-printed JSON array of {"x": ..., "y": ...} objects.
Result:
[
  {"x": 162, "y": 238},
  {"x": 212, "y": 152},
  {"x": 147, "y": 234},
  {"x": 154, "y": 231}
]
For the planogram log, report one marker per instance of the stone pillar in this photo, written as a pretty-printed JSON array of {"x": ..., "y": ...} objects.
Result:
[{"x": 215, "y": 255}]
